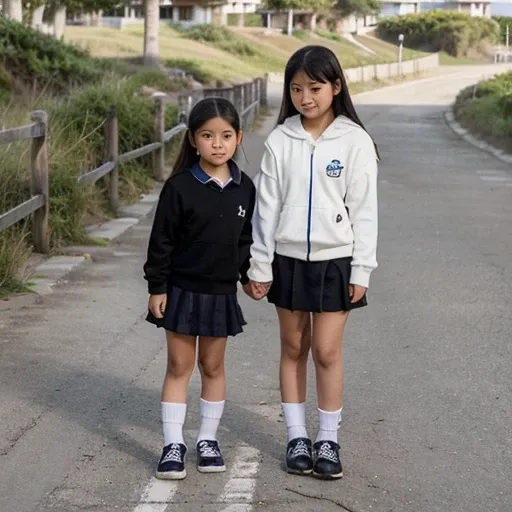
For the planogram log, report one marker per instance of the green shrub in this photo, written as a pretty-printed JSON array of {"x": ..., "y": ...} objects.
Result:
[
  {"x": 489, "y": 111},
  {"x": 251, "y": 19},
  {"x": 448, "y": 31},
  {"x": 221, "y": 38},
  {"x": 329, "y": 35},
  {"x": 34, "y": 57},
  {"x": 503, "y": 21},
  {"x": 299, "y": 34},
  {"x": 191, "y": 67}
]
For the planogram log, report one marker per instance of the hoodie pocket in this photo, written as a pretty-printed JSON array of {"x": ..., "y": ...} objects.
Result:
[
  {"x": 330, "y": 228},
  {"x": 293, "y": 225}
]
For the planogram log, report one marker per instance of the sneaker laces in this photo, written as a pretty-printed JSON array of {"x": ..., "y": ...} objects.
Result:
[
  {"x": 326, "y": 452},
  {"x": 301, "y": 448},
  {"x": 174, "y": 454},
  {"x": 207, "y": 449}
]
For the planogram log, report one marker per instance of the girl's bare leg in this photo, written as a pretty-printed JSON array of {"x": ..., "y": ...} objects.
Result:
[
  {"x": 213, "y": 392},
  {"x": 295, "y": 327}
]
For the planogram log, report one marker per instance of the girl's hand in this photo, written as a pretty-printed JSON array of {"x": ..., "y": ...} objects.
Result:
[
  {"x": 248, "y": 290},
  {"x": 259, "y": 290},
  {"x": 157, "y": 304},
  {"x": 356, "y": 292}
]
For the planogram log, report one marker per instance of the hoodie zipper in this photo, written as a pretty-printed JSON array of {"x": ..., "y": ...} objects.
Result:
[{"x": 310, "y": 202}]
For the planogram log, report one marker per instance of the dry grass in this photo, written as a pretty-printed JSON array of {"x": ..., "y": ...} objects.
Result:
[
  {"x": 386, "y": 51},
  {"x": 128, "y": 43},
  {"x": 274, "y": 49}
]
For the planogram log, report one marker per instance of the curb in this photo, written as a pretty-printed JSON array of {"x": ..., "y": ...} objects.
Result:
[
  {"x": 53, "y": 270},
  {"x": 475, "y": 141}
]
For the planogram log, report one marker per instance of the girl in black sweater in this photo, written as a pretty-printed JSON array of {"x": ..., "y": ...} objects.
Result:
[{"x": 198, "y": 251}]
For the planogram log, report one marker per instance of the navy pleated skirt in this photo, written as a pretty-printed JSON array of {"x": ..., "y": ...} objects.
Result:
[
  {"x": 312, "y": 286},
  {"x": 200, "y": 314}
]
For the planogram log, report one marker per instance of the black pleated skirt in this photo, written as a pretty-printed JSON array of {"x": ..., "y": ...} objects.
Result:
[
  {"x": 312, "y": 286},
  {"x": 200, "y": 314}
]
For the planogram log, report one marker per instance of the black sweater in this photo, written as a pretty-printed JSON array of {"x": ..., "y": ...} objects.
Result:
[{"x": 201, "y": 234}]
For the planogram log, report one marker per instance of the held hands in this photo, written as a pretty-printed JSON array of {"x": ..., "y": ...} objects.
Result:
[
  {"x": 256, "y": 290},
  {"x": 157, "y": 304},
  {"x": 356, "y": 292}
]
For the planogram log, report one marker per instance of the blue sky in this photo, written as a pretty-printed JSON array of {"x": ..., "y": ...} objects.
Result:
[{"x": 501, "y": 8}]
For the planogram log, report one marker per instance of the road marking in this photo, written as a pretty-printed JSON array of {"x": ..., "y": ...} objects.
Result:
[
  {"x": 239, "y": 489},
  {"x": 495, "y": 178},
  {"x": 156, "y": 496}
]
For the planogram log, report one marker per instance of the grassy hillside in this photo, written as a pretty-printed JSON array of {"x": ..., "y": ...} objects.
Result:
[{"x": 227, "y": 58}]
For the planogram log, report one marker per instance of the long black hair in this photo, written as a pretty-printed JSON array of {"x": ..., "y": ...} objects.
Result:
[
  {"x": 202, "y": 112},
  {"x": 321, "y": 65}
]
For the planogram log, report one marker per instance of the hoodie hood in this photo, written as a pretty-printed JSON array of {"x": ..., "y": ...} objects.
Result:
[{"x": 339, "y": 127}]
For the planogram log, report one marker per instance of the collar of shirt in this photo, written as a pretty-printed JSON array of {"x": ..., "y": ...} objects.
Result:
[{"x": 204, "y": 178}]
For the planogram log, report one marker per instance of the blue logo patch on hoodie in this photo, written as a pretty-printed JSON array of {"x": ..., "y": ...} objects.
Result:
[{"x": 334, "y": 169}]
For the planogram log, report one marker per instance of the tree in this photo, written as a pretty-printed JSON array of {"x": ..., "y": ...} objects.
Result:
[
  {"x": 151, "y": 26},
  {"x": 13, "y": 9},
  {"x": 315, "y": 6},
  {"x": 358, "y": 7}
]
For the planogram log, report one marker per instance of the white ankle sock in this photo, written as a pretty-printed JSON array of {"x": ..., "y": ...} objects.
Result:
[
  {"x": 211, "y": 414},
  {"x": 173, "y": 419},
  {"x": 329, "y": 425},
  {"x": 295, "y": 417}
]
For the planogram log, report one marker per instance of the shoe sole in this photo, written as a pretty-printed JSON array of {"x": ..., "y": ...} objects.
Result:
[
  {"x": 322, "y": 476},
  {"x": 300, "y": 472},
  {"x": 171, "y": 475},
  {"x": 306, "y": 472},
  {"x": 211, "y": 469}
]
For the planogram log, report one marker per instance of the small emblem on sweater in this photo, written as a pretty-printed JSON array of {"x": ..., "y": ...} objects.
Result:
[
  {"x": 339, "y": 218},
  {"x": 334, "y": 169},
  {"x": 241, "y": 211}
]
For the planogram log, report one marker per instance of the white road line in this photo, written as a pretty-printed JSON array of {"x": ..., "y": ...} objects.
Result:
[
  {"x": 239, "y": 489},
  {"x": 495, "y": 178},
  {"x": 156, "y": 496}
]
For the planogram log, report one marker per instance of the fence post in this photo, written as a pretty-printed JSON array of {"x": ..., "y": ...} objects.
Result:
[
  {"x": 237, "y": 97},
  {"x": 257, "y": 84},
  {"x": 112, "y": 143},
  {"x": 263, "y": 93},
  {"x": 159, "y": 154},
  {"x": 39, "y": 183}
]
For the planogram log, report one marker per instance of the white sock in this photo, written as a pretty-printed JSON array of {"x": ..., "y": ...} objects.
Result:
[
  {"x": 295, "y": 417},
  {"x": 211, "y": 414},
  {"x": 173, "y": 419},
  {"x": 329, "y": 425}
]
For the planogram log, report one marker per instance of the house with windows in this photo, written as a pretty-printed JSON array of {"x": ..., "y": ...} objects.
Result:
[
  {"x": 185, "y": 12},
  {"x": 471, "y": 7}
]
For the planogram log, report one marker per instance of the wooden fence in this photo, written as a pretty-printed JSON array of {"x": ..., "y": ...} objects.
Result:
[{"x": 248, "y": 98}]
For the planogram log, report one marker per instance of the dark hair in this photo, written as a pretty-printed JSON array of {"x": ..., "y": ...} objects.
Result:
[
  {"x": 321, "y": 65},
  {"x": 201, "y": 113}
]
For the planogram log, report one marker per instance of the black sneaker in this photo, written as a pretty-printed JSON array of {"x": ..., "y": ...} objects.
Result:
[
  {"x": 299, "y": 457},
  {"x": 172, "y": 462},
  {"x": 209, "y": 457},
  {"x": 327, "y": 460}
]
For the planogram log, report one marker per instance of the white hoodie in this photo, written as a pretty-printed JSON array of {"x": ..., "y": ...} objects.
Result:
[{"x": 316, "y": 200}]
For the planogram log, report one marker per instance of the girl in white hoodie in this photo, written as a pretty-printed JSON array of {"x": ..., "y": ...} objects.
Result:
[{"x": 315, "y": 238}]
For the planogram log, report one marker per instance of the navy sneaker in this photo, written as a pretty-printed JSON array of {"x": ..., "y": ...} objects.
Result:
[
  {"x": 209, "y": 457},
  {"x": 299, "y": 456},
  {"x": 172, "y": 462},
  {"x": 327, "y": 462}
]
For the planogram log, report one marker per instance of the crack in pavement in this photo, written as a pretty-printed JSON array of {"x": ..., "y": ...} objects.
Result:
[
  {"x": 321, "y": 498},
  {"x": 22, "y": 431}
]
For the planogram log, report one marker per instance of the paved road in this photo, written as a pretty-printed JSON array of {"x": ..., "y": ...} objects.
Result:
[{"x": 427, "y": 416}]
